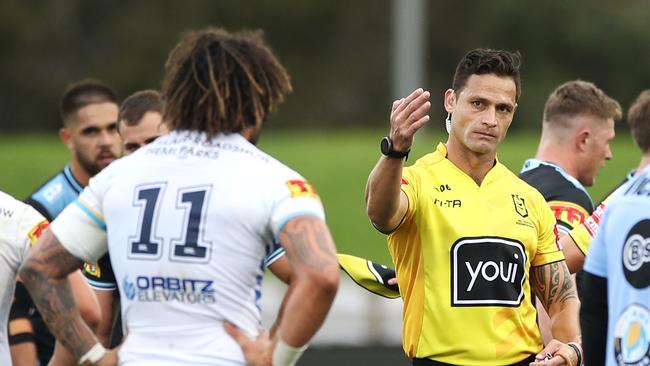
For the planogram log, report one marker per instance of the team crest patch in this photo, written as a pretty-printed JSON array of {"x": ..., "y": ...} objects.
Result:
[
  {"x": 92, "y": 269},
  {"x": 37, "y": 231},
  {"x": 631, "y": 336},
  {"x": 300, "y": 188},
  {"x": 520, "y": 205}
]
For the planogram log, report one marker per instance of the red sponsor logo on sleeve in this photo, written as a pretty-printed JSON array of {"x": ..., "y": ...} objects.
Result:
[
  {"x": 37, "y": 230},
  {"x": 557, "y": 238},
  {"x": 301, "y": 188},
  {"x": 405, "y": 182}
]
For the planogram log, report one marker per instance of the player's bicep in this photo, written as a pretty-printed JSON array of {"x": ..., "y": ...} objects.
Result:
[
  {"x": 308, "y": 243},
  {"x": 553, "y": 285},
  {"x": 50, "y": 258}
]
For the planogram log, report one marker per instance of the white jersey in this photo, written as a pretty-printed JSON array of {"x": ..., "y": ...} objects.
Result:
[
  {"x": 187, "y": 223},
  {"x": 20, "y": 225}
]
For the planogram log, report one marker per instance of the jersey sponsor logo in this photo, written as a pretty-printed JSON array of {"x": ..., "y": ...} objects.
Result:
[
  {"x": 37, "y": 231},
  {"x": 632, "y": 336},
  {"x": 93, "y": 269},
  {"x": 568, "y": 212},
  {"x": 301, "y": 188},
  {"x": 487, "y": 271},
  {"x": 169, "y": 289},
  {"x": 520, "y": 205},
  {"x": 6, "y": 212},
  {"x": 636, "y": 255},
  {"x": 447, "y": 203}
]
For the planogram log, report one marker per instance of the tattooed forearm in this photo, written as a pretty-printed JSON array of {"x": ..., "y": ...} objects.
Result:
[
  {"x": 44, "y": 273},
  {"x": 552, "y": 283},
  {"x": 308, "y": 241}
]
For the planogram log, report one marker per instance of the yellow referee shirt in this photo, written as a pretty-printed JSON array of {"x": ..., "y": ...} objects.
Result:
[{"x": 462, "y": 254}]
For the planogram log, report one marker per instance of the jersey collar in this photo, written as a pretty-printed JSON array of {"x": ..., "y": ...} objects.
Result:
[{"x": 531, "y": 164}]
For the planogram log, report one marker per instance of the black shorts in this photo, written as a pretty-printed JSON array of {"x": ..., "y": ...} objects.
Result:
[
  {"x": 100, "y": 275},
  {"x": 430, "y": 362}
]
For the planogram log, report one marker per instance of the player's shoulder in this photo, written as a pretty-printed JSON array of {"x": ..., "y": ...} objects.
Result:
[
  {"x": 58, "y": 190},
  {"x": 521, "y": 186},
  {"x": 15, "y": 214}
]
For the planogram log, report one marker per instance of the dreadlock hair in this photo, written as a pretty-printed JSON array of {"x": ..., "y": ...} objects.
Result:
[{"x": 216, "y": 81}]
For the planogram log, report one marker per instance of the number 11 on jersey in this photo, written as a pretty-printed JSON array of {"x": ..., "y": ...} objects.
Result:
[{"x": 190, "y": 246}]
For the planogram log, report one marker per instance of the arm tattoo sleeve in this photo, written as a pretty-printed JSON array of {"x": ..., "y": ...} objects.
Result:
[
  {"x": 553, "y": 284},
  {"x": 309, "y": 242},
  {"x": 44, "y": 273}
]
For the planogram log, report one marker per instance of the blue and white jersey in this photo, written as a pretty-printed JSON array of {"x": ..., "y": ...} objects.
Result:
[
  {"x": 187, "y": 222},
  {"x": 20, "y": 225},
  {"x": 58, "y": 192},
  {"x": 620, "y": 253}
]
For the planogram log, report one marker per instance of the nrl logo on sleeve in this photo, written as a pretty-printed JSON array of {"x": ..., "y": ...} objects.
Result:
[
  {"x": 487, "y": 271},
  {"x": 520, "y": 205},
  {"x": 92, "y": 269},
  {"x": 300, "y": 188}
]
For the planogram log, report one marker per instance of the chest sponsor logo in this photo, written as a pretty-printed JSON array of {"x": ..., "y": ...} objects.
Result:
[
  {"x": 632, "y": 336},
  {"x": 487, "y": 271},
  {"x": 520, "y": 205},
  {"x": 169, "y": 289},
  {"x": 636, "y": 255}
]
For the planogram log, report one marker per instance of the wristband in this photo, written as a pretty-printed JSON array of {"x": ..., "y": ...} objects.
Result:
[
  {"x": 93, "y": 355},
  {"x": 576, "y": 347},
  {"x": 286, "y": 355}
]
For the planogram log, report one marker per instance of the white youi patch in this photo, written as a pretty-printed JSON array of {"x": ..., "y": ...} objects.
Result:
[{"x": 487, "y": 271}]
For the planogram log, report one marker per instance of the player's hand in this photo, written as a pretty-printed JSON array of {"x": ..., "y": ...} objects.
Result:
[
  {"x": 259, "y": 351},
  {"x": 556, "y": 353},
  {"x": 109, "y": 359},
  {"x": 407, "y": 116}
]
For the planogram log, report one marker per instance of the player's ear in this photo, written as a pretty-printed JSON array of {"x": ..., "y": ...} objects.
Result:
[
  {"x": 66, "y": 137},
  {"x": 582, "y": 139},
  {"x": 450, "y": 100}
]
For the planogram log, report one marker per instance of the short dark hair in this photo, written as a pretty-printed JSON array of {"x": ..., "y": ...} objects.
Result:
[
  {"x": 578, "y": 97},
  {"x": 137, "y": 105},
  {"x": 82, "y": 93},
  {"x": 216, "y": 81},
  {"x": 638, "y": 117},
  {"x": 481, "y": 61}
]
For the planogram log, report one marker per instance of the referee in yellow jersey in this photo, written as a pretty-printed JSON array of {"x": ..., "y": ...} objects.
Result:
[{"x": 471, "y": 242}]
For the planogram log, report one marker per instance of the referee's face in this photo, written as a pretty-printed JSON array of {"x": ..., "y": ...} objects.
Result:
[{"x": 481, "y": 112}]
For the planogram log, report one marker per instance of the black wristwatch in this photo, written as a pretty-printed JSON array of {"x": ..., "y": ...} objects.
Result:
[{"x": 387, "y": 149}]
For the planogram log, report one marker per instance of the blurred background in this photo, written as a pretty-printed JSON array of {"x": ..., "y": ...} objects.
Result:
[{"x": 348, "y": 61}]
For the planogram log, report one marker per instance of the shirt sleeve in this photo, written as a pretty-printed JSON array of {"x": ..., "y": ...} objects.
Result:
[
  {"x": 409, "y": 186},
  {"x": 30, "y": 228},
  {"x": 80, "y": 228},
  {"x": 548, "y": 247},
  {"x": 296, "y": 197},
  {"x": 596, "y": 260}
]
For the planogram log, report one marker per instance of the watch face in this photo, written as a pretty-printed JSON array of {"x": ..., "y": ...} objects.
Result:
[{"x": 385, "y": 145}]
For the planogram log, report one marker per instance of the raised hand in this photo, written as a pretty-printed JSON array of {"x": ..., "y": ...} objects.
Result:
[{"x": 407, "y": 116}]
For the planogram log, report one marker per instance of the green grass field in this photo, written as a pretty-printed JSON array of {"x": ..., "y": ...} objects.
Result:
[{"x": 337, "y": 163}]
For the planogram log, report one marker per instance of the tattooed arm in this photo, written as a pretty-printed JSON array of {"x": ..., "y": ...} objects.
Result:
[
  {"x": 314, "y": 282},
  {"x": 554, "y": 286},
  {"x": 45, "y": 275}
]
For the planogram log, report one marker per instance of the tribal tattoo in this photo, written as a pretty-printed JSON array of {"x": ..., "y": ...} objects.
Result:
[{"x": 553, "y": 284}]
